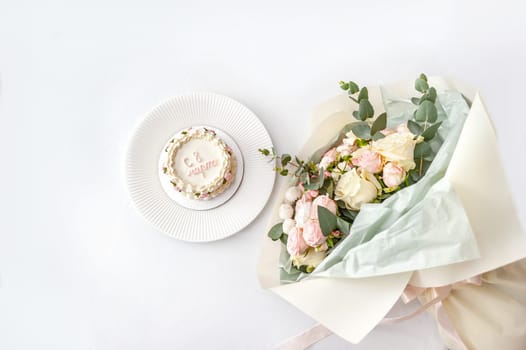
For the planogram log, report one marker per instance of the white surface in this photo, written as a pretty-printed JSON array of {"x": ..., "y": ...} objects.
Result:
[
  {"x": 79, "y": 268},
  {"x": 142, "y": 167}
]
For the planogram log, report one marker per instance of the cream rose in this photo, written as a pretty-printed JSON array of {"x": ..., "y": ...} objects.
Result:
[
  {"x": 355, "y": 190},
  {"x": 311, "y": 259},
  {"x": 397, "y": 147}
]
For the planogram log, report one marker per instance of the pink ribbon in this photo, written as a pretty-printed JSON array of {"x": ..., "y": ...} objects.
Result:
[{"x": 319, "y": 332}]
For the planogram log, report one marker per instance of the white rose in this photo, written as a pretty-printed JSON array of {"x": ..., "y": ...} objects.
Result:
[
  {"x": 355, "y": 190},
  {"x": 288, "y": 224},
  {"x": 311, "y": 259},
  {"x": 398, "y": 148},
  {"x": 293, "y": 194},
  {"x": 286, "y": 211}
]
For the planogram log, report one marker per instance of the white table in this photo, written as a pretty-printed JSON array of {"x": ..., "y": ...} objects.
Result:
[{"x": 80, "y": 269}]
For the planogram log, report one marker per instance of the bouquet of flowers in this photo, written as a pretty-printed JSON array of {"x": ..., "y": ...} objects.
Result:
[
  {"x": 380, "y": 206},
  {"x": 367, "y": 163}
]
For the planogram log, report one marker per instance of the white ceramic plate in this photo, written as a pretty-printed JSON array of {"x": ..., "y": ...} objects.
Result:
[{"x": 154, "y": 131}]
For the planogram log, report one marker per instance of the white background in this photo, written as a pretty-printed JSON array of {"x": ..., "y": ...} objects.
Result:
[{"x": 80, "y": 269}]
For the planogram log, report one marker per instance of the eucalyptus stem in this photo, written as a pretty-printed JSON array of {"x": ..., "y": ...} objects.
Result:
[{"x": 422, "y": 157}]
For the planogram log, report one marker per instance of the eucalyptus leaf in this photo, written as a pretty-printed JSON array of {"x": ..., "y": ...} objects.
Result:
[
  {"x": 427, "y": 112},
  {"x": 344, "y": 86},
  {"x": 378, "y": 135},
  {"x": 328, "y": 185},
  {"x": 415, "y": 100},
  {"x": 353, "y": 87},
  {"x": 414, "y": 127},
  {"x": 365, "y": 109},
  {"x": 430, "y": 95},
  {"x": 364, "y": 94},
  {"x": 380, "y": 123},
  {"x": 327, "y": 220},
  {"x": 422, "y": 150},
  {"x": 350, "y": 215},
  {"x": 318, "y": 181},
  {"x": 343, "y": 226},
  {"x": 356, "y": 115},
  {"x": 276, "y": 231},
  {"x": 362, "y": 131},
  {"x": 430, "y": 132},
  {"x": 421, "y": 85},
  {"x": 284, "y": 237},
  {"x": 285, "y": 159},
  {"x": 423, "y": 76}
]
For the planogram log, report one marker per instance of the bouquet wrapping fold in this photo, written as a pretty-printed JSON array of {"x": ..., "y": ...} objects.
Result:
[{"x": 457, "y": 222}]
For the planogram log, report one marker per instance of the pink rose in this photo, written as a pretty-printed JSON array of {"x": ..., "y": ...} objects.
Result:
[
  {"x": 312, "y": 233},
  {"x": 368, "y": 160},
  {"x": 303, "y": 208},
  {"x": 322, "y": 201},
  {"x": 328, "y": 158},
  {"x": 393, "y": 174},
  {"x": 295, "y": 243}
]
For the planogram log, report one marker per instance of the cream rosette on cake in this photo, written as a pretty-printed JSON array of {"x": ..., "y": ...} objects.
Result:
[{"x": 413, "y": 238}]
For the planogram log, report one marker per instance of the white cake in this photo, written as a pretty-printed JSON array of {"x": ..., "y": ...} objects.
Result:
[{"x": 200, "y": 165}]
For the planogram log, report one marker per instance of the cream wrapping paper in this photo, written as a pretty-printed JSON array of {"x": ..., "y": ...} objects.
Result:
[
  {"x": 489, "y": 316},
  {"x": 356, "y": 305}
]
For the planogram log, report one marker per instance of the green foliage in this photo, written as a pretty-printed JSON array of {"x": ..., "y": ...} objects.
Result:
[
  {"x": 422, "y": 150},
  {"x": 276, "y": 231},
  {"x": 362, "y": 131},
  {"x": 380, "y": 123},
  {"x": 430, "y": 132},
  {"x": 264, "y": 151},
  {"x": 364, "y": 94},
  {"x": 377, "y": 136},
  {"x": 327, "y": 220},
  {"x": 365, "y": 109},
  {"x": 353, "y": 87},
  {"x": 414, "y": 127},
  {"x": 285, "y": 159},
  {"x": 430, "y": 95},
  {"x": 317, "y": 183},
  {"x": 421, "y": 85},
  {"x": 343, "y": 225},
  {"x": 426, "y": 112}
]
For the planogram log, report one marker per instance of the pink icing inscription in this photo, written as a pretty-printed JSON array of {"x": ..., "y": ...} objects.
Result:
[{"x": 200, "y": 169}]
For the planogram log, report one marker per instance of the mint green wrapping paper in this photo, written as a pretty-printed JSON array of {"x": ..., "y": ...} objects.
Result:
[{"x": 422, "y": 226}]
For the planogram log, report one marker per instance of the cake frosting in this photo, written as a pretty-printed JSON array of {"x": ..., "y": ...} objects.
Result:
[{"x": 200, "y": 165}]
